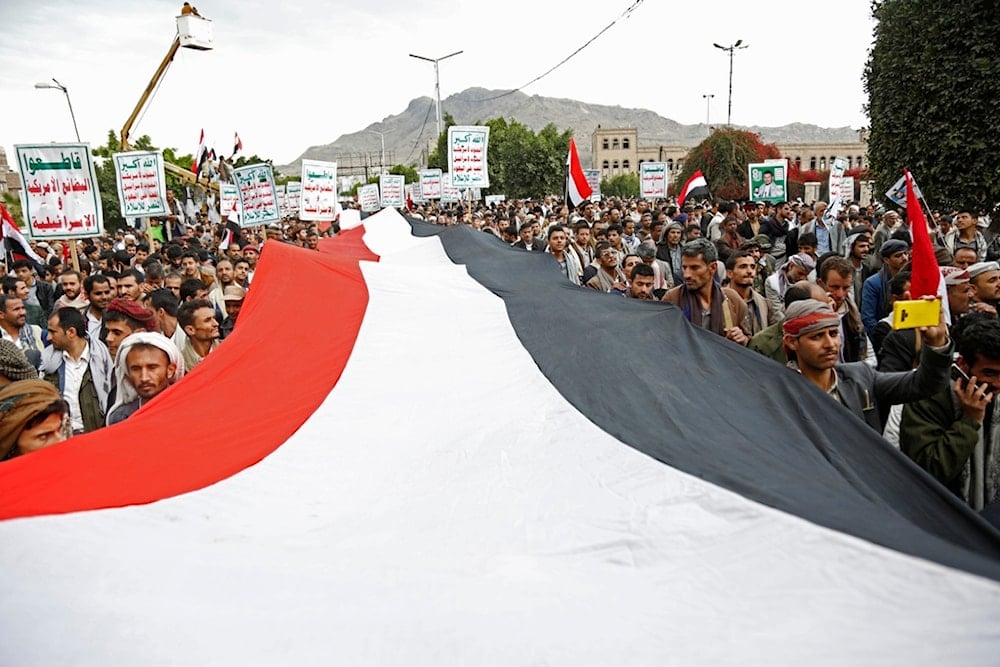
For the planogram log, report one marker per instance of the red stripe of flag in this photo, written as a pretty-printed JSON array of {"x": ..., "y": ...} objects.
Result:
[
  {"x": 577, "y": 186},
  {"x": 925, "y": 275}
]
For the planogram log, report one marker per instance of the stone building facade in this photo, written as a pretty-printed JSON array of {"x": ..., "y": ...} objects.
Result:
[{"x": 617, "y": 151}]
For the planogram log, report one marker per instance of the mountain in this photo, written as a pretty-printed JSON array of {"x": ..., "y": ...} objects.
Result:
[{"x": 410, "y": 132}]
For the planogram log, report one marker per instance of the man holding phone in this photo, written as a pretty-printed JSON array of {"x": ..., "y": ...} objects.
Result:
[
  {"x": 812, "y": 343},
  {"x": 955, "y": 434}
]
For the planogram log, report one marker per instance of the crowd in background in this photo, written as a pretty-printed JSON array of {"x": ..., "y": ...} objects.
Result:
[{"x": 809, "y": 287}]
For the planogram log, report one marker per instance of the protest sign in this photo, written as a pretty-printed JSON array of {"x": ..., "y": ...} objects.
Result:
[
  {"x": 841, "y": 187},
  {"x": 142, "y": 188},
  {"x": 594, "y": 181},
  {"x": 293, "y": 192},
  {"x": 391, "y": 188},
  {"x": 368, "y": 198},
  {"x": 279, "y": 191},
  {"x": 229, "y": 200},
  {"x": 60, "y": 198},
  {"x": 467, "y": 147},
  {"x": 492, "y": 200},
  {"x": 430, "y": 183},
  {"x": 258, "y": 196},
  {"x": 768, "y": 180},
  {"x": 413, "y": 193},
  {"x": 449, "y": 193},
  {"x": 653, "y": 180},
  {"x": 319, "y": 190}
]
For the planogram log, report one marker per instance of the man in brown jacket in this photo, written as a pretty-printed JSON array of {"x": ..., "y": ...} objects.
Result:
[{"x": 704, "y": 302}]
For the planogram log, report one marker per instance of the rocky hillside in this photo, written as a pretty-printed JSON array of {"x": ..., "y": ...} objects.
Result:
[{"x": 413, "y": 129}]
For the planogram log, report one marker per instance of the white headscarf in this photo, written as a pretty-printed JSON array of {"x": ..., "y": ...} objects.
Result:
[{"x": 126, "y": 392}]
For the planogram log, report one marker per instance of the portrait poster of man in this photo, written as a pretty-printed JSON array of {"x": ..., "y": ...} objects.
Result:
[{"x": 768, "y": 181}]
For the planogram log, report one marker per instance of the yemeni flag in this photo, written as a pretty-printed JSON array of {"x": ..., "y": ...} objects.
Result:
[
  {"x": 237, "y": 144},
  {"x": 200, "y": 155},
  {"x": 696, "y": 185},
  {"x": 14, "y": 242},
  {"x": 373, "y": 503},
  {"x": 577, "y": 187}
]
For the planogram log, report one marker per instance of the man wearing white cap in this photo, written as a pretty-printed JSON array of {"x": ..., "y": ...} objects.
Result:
[{"x": 986, "y": 279}]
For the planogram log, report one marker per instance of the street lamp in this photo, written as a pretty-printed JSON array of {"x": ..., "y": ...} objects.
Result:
[
  {"x": 382, "y": 137},
  {"x": 708, "y": 109},
  {"x": 731, "y": 48},
  {"x": 437, "y": 81},
  {"x": 58, "y": 86}
]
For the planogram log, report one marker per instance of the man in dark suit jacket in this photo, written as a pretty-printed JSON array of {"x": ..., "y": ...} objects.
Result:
[{"x": 526, "y": 240}]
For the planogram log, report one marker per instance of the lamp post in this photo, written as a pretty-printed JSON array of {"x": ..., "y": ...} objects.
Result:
[
  {"x": 58, "y": 86},
  {"x": 731, "y": 49},
  {"x": 437, "y": 81},
  {"x": 382, "y": 137},
  {"x": 708, "y": 110}
]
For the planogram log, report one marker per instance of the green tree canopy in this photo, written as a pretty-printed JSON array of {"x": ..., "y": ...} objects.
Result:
[
  {"x": 521, "y": 163},
  {"x": 723, "y": 158},
  {"x": 933, "y": 83},
  {"x": 622, "y": 185}
]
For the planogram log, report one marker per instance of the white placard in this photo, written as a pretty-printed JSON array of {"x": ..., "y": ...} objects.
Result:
[
  {"x": 449, "y": 193},
  {"x": 293, "y": 195},
  {"x": 653, "y": 177},
  {"x": 467, "y": 148},
  {"x": 319, "y": 190},
  {"x": 142, "y": 188},
  {"x": 368, "y": 198},
  {"x": 391, "y": 188},
  {"x": 61, "y": 200},
  {"x": 258, "y": 196},
  {"x": 430, "y": 183}
]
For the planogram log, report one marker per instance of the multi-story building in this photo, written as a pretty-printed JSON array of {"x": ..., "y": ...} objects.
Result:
[
  {"x": 10, "y": 180},
  {"x": 617, "y": 151}
]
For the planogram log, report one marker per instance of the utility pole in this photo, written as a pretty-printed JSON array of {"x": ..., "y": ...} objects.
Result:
[
  {"x": 437, "y": 82},
  {"x": 731, "y": 49},
  {"x": 708, "y": 111}
]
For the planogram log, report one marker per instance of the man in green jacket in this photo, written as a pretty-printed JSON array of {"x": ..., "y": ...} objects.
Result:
[{"x": 955, "y": 434}]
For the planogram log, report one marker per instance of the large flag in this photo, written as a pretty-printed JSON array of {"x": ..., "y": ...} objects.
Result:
[
  {"x": 577, "y": 187},
  {"x": 14, "y": 240},
  {"x": 926, "y": 277},
  {"x": 696, "y": 185},
  {"x": 344, "y": 519}
]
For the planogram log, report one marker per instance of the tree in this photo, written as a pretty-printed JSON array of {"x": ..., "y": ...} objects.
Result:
[
  {"x": 408, "y": 173},
  {"x": 723, "y": 158},
  {"x": 521, "y": 163},
  {"x": 622, "y": 185},
  {"x": 438, "y": 159},
  {"x": 933, "y": 81}
]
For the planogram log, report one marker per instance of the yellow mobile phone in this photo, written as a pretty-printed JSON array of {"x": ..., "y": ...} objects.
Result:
[{"x": 913, "y": 314}]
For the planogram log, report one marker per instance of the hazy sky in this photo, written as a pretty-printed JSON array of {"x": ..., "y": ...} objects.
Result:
[{"x": 290, "y": 75}]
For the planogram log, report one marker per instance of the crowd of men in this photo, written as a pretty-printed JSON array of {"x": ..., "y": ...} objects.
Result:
[
  {"x": 814, "y": 290},
  {"x": 810, "y": 288}
]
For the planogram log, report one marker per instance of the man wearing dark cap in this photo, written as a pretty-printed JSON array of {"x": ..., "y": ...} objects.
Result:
[
  {"x": 14, "y": 365},
  {"x": 812, "y": 342},
  {"x": 875, "y": 302},
  {"x": 123, "y": 317}
]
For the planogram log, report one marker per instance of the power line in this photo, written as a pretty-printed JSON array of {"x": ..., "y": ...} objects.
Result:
[
  {"x": 420, "y": 134},
  {"x": 624, "y": 15}
]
